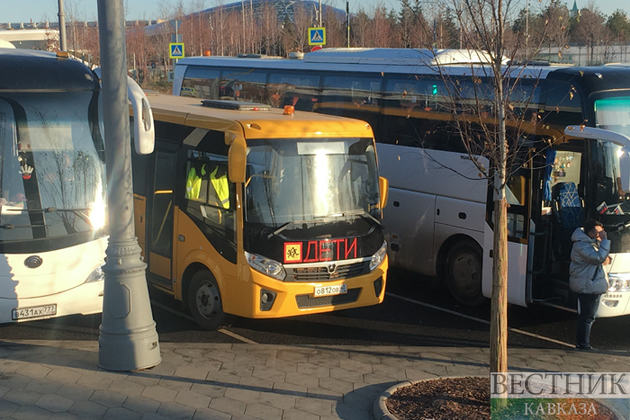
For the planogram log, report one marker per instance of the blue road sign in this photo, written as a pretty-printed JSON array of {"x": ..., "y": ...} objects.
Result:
[
  {"x": 316, "y": 36},
  {"x": 176, "y": 50}
]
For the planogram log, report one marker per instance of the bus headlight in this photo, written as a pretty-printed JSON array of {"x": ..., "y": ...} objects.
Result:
[
  {"x": 266, "y": 265},
  {"x": 96, "y": 275},
  {"x": 619, "y": 282},
  {"x": 378, "y": 257}
]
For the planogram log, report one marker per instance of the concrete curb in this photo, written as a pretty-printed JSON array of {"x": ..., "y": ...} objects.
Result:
[{"x": 379, "y": 409}]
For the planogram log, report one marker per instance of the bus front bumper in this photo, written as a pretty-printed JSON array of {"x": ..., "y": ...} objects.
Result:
[
  {"x": 272, "y": 298},
  {"x": 84, "y": 299}
]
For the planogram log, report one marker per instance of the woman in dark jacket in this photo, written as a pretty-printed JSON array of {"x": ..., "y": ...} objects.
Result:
[{"x": 587, "y": 277}]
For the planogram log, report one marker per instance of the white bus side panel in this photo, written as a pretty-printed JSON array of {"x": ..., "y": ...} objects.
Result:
[
  {"x": 461, "y": 214},
  {"x": 59, "y": 280},
  {"x": 433, "y": 172},
  {"x": 418, "y": 179},
  {"x": 408, "y": 221},
  {"x": 517, "y": 269},
  {"x": 616, "y": 303}
]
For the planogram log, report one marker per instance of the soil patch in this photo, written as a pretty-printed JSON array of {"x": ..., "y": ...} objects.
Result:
[{"x": 442, "y": 399}]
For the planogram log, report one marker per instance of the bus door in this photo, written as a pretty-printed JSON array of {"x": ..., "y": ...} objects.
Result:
[
  {"x": 565, "y": 188},
  {"x": 160, "y": 217},
  {"x": 518, "y": 192}
]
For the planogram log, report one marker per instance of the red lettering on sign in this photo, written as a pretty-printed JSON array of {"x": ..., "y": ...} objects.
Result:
[
  {"x": 325, "y": 250},
  {"x": 338, "y": 242},
  {"x": 311, "y": 245},
  {"x": 352, "y": 246}
]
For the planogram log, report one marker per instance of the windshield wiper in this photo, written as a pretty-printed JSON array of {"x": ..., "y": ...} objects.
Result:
[
  {"x": 45, "y": 210},
  {"x": 77, "y": 212},
  {"x": 330, "y": 218},
  {"x": 363, "y": 214},
  {"x": 9, "y": 226},
  {"x": 286, "y": 226}
]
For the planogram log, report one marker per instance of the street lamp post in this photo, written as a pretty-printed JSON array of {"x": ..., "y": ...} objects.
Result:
[
  {"x": 128, "y": 338},
  {"x": 320, "y": 13},
  {"x": 62, "y": 28}
]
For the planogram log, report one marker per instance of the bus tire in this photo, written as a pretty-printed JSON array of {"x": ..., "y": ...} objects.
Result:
[
  {"x": 204, "y": 301},
  {"x": 464, "y": 273}
]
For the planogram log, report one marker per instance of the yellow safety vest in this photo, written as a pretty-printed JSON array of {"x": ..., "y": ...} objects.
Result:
[
  {"x": 193, "y": 183},
  {"x": 221, "y": 187}
]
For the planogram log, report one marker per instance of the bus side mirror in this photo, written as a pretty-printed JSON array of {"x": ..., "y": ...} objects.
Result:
[
  {"x": 383, "y": 185},
  {"x": 237, "y": 158},
  {"x": 143, "y": 127}
]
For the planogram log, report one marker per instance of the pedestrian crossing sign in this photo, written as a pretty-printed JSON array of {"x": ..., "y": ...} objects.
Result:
[
  {"x": 316, "y": 36},
  {"x": 176, "y": 50}
]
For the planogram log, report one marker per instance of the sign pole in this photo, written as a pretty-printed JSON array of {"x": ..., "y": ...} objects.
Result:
[
  {"x": 348, "y": 21},
  {"x": 320, "y": 13}
]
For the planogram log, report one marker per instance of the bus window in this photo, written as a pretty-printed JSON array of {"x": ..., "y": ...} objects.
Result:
[
  {"x": 243, "y": 85},
  {"x": 566, "y": 168},
  {"x": 201, "y": 82},
  {"x": 209, "y": 193},
  {"x": 516, "y": 192},
  {"x": 340, "y": 91},
  {"x": 351, "y": 96},
  {"x": 162, "y": 208},
  {"x": 410, "y": 115},
  {"x": 296, "y": 89},
  {"x": 563, "y": 105},
  {"x": 525, "y": 100}
]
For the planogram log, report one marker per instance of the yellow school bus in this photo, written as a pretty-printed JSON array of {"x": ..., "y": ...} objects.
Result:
[{"x": 259, "y": 212}]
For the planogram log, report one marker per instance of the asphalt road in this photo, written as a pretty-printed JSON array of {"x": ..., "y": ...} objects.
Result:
[{"x": 414, "y": 313}]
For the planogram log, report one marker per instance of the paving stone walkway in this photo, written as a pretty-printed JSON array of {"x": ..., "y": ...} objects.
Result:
[{"x": 61, "y": 379}]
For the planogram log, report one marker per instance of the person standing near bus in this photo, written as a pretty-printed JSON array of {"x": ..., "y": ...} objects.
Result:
[{"x": 587, "y": 276}]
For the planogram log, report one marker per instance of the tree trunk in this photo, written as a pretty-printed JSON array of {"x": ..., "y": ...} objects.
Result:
[{"x": 498, "y": 321}]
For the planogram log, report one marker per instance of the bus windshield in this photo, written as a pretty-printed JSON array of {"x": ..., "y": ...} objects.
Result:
[
  {"x": 614, "y": 180},
  {"x": 307, "y": 180},
  {"x": 52, "y": 169}
]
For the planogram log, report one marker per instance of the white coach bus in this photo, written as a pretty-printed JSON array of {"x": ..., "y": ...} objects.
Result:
[{"x": 52, "y": 187}]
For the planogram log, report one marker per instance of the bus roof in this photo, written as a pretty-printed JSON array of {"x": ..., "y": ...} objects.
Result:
[
  {"x": 371, "y": 60},
  {"x": 398, "y": 56},
  {"x": 32, "y": 70},
  {"x": 270, "y": 123}
]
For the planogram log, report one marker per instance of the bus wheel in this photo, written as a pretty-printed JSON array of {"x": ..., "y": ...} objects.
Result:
[
  {"x": 204, "y": 301},
  {"x": 463, "y": 273}
]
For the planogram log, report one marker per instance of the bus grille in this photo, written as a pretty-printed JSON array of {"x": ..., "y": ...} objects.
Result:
[
  {"x": 321, "y": 273},
  {"x": 308, "y": 301}
]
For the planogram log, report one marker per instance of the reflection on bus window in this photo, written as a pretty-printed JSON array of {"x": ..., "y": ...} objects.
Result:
[
  {"x": 293, "y": 89},
  {"x": 201, "y": 82},
  {"x": 613, "y": 183},
  {"x": 52, "y": 162},
  {"x": 243, "y": 85}
]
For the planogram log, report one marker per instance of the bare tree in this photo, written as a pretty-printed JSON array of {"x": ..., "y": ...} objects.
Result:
[
  {"x": 296, "y": 30},
  {"x": 270, "y": 32},
  {"x": 382, "y": 33},
  {"x": 490, "y": 110},
  {"x": 590, "y": 29},
  {"x": 361, "y": 25},
  {"x": 335, "y": 28}
]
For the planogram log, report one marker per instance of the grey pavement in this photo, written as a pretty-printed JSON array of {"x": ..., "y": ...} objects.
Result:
[{"x": 42, "y": 379}]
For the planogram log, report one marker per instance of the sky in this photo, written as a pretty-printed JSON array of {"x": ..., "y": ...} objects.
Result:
[{"x": 42, "y": 10}]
